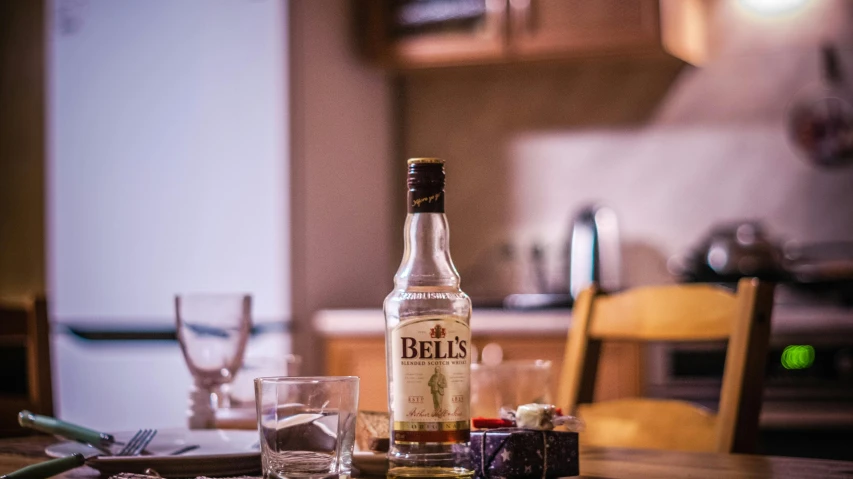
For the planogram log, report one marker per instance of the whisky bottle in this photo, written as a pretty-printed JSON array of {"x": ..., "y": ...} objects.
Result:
[{"x": 428, "y": 340}]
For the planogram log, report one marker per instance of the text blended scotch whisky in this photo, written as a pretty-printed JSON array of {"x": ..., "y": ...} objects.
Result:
[{"x": 427, "y": 340}]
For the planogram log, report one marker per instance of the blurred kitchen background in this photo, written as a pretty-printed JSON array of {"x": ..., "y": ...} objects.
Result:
[{"x": 152, "y": 147}]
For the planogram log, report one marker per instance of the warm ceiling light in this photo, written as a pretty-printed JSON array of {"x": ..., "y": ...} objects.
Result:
[{"x": 773, "y": 7}]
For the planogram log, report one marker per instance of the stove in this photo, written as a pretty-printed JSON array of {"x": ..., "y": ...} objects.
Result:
[{"x": 808, "y": 383}]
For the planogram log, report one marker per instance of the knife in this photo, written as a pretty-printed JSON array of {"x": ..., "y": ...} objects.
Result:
[
  {"x": 47, "y": 469},
  {"x": 51, "y": 425}
]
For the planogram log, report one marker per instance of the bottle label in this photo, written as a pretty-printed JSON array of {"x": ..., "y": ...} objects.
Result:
[{"x": 431, "y": 388}]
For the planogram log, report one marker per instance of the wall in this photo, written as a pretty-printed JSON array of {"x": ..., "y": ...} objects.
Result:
[
  {"x": 22, "y": 99},
  {"x": 672, "y": 150},
  {"x": 341, "y": 172}
]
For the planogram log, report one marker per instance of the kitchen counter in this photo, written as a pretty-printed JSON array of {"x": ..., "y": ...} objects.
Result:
[
  {"x": 484, "y": 322},
  {"x": 354, "y": 341},
  {"x": 788, "y": 320},
  {"x": 354, "y": 345}
]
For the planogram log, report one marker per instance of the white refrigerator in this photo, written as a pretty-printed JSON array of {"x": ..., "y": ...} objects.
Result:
[{"x": 167, "y": 173}]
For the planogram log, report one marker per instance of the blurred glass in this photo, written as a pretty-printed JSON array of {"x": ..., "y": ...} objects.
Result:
[
  {"x": 509, "y": 384},
  {"x": 213, "y": 330},
  {"x": 241, "y": 392},
  {"x": 306, "y": 425}
]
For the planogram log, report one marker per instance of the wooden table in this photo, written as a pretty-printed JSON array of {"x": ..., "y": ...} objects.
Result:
[{"x": 596, "y": 463}]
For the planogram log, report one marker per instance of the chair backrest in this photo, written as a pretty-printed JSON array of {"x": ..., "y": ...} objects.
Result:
[
  {"x": 672, "y": 313},
  {"x": 25, "y": 378}
]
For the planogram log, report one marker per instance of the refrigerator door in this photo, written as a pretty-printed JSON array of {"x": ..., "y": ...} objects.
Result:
[
  {"x": 167, "y": 172},
  {"x": 167, "y": 165},
  {"x": 120, "y": 385},
  {"x": 127, "y": 384}
]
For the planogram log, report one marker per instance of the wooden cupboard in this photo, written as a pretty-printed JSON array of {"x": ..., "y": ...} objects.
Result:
[
  {"x": 406, "y": 34},
  {"x": 557, "y": 28},
  {"x": 364, "y": 356}
]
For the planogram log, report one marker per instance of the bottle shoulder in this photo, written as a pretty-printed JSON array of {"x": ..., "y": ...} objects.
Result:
[
  {"x": 411, "y": 291},
  {"x": 408, "y": 303}
]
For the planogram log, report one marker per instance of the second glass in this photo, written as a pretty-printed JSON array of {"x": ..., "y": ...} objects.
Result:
[
  {"x": 212, "y": 330},
  {"x": 509, "y": 384},
  {"x": 307, "y": 425}
]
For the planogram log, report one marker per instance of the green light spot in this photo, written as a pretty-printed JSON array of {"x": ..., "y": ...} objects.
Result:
[{"x": 797, "y": 356}]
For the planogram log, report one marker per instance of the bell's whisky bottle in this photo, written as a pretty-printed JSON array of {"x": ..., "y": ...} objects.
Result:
[{"x": 428, "y": 340}]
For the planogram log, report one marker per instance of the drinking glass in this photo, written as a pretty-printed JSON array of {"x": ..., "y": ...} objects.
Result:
[
  {"x": 307, "y": 425},
  {"x": 241, "y": 391},
  {"x": 509, "y": 384},
  {"x": 212, "y": 330}
]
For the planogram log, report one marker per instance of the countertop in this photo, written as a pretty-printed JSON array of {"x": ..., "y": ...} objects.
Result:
[
  {"x": 788, "y": 320},
  {"x": 484, "y": 322}
]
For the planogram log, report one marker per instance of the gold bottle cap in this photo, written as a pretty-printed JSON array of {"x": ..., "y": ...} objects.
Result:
[{"x": 416, "y": 161}]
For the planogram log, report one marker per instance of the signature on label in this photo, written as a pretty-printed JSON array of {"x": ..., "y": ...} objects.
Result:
[
  {"x": 440, "y": 413},
  {"x": 426, "y": 199}
]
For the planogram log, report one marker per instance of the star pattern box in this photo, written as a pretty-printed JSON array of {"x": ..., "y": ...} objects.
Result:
[{"x": 513, "y": 453}]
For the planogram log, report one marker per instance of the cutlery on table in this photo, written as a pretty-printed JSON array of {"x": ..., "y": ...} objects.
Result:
[
  {"x": 182, "y": 449},
  {"x": 47, "y": 468},
  {"x": 99, "y": 440},
  {"x": 51, "y": 425},
  {"x": 53, "y": 467}
]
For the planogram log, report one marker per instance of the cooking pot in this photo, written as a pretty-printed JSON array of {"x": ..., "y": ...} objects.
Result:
[{"x": 733, "y": 251}]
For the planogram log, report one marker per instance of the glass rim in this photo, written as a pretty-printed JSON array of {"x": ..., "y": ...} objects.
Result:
[
  {"x": 212, "y": 294},
  {"x": 305, "y": 379}
]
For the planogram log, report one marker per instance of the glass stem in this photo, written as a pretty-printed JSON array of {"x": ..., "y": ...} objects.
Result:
[
  {"x": 204, "y": 400},
  {"x": 219, "y": 397}
]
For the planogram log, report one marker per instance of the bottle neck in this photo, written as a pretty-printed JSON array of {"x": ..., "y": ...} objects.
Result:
[{"x": 426, "y": 253}]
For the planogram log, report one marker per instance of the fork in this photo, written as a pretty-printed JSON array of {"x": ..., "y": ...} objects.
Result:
[
  {"x": 99, "y": 440},
  {"x": 46, "y": 469},
  {"x": 137, "y": 443}
]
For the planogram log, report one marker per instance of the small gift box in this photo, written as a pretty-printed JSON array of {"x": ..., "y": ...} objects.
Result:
[{"x": 513, "y": 453}]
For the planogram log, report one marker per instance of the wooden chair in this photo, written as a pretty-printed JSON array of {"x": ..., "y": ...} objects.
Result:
[
  {"x": 25, "y": 379},
  {"x": 671, "y": 313}
]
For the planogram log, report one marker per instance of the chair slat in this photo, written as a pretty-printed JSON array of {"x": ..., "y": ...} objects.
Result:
[
  {"x": 13, "y": 322},
  {"x": 667, "y": 313},
  {"x": 743, "y": 377},
  {"x": 24, "y": 325}
]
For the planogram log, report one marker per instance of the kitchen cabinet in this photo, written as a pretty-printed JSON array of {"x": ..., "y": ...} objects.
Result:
[
  {"x": 416, "y": 34},
  {"x": 364, "y": 356},
  {"x": 556, "y": 28},
  {"x": 408, "y": 34}
]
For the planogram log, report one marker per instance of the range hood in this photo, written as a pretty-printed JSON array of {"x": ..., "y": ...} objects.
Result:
[{"x": 754, "y": 66}]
